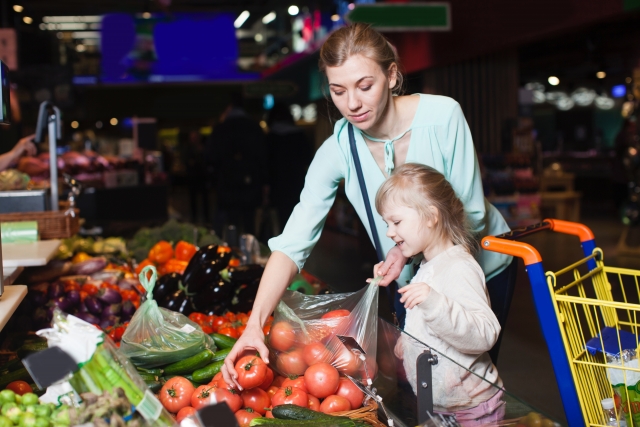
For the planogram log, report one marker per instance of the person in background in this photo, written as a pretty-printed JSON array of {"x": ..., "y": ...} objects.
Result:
[
  {"x": 24, "y": 146},
  {"x": 290, "y": 154},
  {"x": 193, "y": 152},
  {"x": 237, "y": 158}
]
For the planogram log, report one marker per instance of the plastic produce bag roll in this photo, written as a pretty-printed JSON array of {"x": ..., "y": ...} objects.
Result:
[
  {"x": 157, "y": 336},
  {"x": 19, "y": 232}
]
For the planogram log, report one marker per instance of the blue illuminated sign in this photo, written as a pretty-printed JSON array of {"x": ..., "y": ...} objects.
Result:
[{"x": 618, "y": 91}]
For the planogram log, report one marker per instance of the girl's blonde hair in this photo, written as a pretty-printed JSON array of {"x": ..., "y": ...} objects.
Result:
[
  {"x": 360, "y": 39},
  {"x": 418, "y": 187}
]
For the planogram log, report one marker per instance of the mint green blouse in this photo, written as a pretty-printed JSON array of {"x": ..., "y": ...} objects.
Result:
[{"x": 440, "y": 138}]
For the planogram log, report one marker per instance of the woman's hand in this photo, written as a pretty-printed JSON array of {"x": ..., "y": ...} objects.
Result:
[
  {"x": 24, "y": 145},
  {"x": 391, "y": 267},
  {"x": 252, "y": 339},
  {"x": 414, "y": 294}
]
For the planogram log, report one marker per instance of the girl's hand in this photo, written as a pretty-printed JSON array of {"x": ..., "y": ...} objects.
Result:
[
  {"x": 414, "y": 294},
  {"x": 376, "y": 268},
  {"x": 391, "y": 267}
]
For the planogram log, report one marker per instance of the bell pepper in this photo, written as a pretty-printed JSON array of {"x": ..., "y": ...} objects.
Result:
[
  {"x": 143, "y": 264},
  {"x": 185, "y": 251},
  {"x": 161, "y": 252},
  {"x": 175, "y": 266},
  {"x": 80, "y": 257}
]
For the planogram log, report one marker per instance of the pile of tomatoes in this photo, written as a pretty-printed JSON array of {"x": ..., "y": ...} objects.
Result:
[
  {"x": 116, "y": 332},
  {"x": 229, "y": 324},
  {"x": 320, "y": 388}
]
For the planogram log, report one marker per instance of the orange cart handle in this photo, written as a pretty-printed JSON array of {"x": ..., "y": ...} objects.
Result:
[{"x": 528, "y": 253}]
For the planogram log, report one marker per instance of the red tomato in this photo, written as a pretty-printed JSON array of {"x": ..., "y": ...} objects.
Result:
[
  {"x": 207, "y": 329},
  {"x": 291, "y": 363},
  {"x": 268, "y": 379},
  {"x": 89, "y": 288},
  {"x": 295, "y": 381},
  {"x": 176, "y": 394},
  {"x": 314, "y": 403},
  {"x": 242, "y": 318},
  {"x": 256, "y": 399},
  {"x": 347, "y": 362},
  {"x": 217, "y": 322},
  {"x": 202, "y": 396},
  {"x": 244, "y": 417},
  {"x": 322, "y": 380},
  {"x": 220, "y": 383},
  {"x": 336, "y": 313},
  {"x": 269, "y": 415},
  {"x": 231, "y": 397},
  {"x": 266, "y": 328},
  {"x": 230, "y": 332},
  {"x": 278, "y": 380},
  {"x": 334, "y": 403},
  {"x": 282, "y": 337},
  {"x": 197, "y": 317},
  {"x": 83, "y": 296},
  {"x": 272, "y": 390},
  {"x": 315, "y": 352},
  {"x": 118, "y": 332},
  {"x": 71, "y": 285},
  {"x": 19, "y": 387},
  {"x": 290, "y": 395},
  {"x": 230, "y": 316},
  {"x": 241, "y": 329},
  {"x": 184, "y": 413},
  {"x": 351, "y": 392},
  {"x": 251, "y": 371}
]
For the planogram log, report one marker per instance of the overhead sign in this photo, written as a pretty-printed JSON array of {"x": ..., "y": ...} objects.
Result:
[
  {"x": 403, "y": 16},
  {"x": 275, "y": 88}
]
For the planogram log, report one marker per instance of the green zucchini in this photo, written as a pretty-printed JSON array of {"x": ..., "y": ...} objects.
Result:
[
  {"x": 148, "y": 377},
  {"x": 18, "y": 375},
  {"x": 29, "y": 348},
  {"x": 336, "y": 422},
  {"x": 154, "y": 386},
  {"x": 295, "y": 412},
  {"x": 223, "y": 341},
  {"x": 190, "y": 364},
  {"x": 156, "y": 371},
  {"x": 208, "y": 372},
  {"x": 220, "y": 355},
  {"x": 11, "y": 365}
]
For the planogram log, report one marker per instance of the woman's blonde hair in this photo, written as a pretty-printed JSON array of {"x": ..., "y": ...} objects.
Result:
[
  {"x": 419, "y": 187},
  {"x": 360, "y": 39}
]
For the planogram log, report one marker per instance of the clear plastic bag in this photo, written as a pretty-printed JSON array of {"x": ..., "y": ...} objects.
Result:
[
  {"x": 100, "y": 369},
  {"x": 305, "y": 332},
  {"x": 157, "y": 336}
]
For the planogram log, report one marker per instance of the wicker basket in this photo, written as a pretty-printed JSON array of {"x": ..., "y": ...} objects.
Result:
[
  {"x": 368, "y": 414},
  {"x": 51, "y": 225}
]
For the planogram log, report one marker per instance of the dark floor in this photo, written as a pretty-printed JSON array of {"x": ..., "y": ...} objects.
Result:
[{"x": 524, "y": 362}]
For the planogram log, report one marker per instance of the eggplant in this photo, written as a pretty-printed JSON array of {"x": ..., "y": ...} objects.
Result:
[
  {"x": 73, "y": 297},
  {"x": 111, "y": 310},
  {"x": 244, "y": 273},
  {"x": 93, "y": 305},
  {"x": 218, "y": 308},
  {"x": 127, "y": 310},
  {"x": 203, "y": 257},
  {"x": 109, "y": 296},
  {"x": 209, "y": 272},
  {"x": 82, "y": 308},
  {"x": 88, "y": 317},
  {"x": 245, "y": 297},
  {"x": 89, "y": 266},
  {"x": 166, "y": 285},
  {"x": 109, "y": 321},
  {"x": 38, "y": 298},
  {"x": 56, "y": 290},
  {"x": 178, "y": 301},
  {"x": 130, "y": 283},
  {"x": 213, "y": 293},
  {"x": 63, "y": 303}
]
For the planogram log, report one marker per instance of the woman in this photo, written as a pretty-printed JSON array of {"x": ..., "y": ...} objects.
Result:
[
  {"x": 362, "y": 71},
  {"x": 24, "y": 146}
]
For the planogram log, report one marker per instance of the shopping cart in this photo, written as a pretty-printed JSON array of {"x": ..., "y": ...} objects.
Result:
[{"x": 588, "y": 314}]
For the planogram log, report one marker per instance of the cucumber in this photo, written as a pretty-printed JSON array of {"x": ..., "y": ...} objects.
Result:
[
  {"x": 336, "y": 422},
  {"x": 154, "y": 386},
  {"x": 29, "y": 348},
  {"x": 156, "y": 371},
  {"x": 295, "y": 412},
  {"x": 19, "y": 375},
  {"x": 11, "y": 365},
  {"x": 208, "y": 372},
  {"x": 189, "y": 364},
  {"x": 148, "y": 377},
  {"x": 220, "y": 355},
  {"x": 223, "y": 341}
]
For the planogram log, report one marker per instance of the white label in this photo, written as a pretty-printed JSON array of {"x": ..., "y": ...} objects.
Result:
[
  {"x": 149, "y": 407},
  {"x": 187, "y": 328}
]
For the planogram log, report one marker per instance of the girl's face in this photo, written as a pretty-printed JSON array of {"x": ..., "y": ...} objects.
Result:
[
  {"x": 360, "y": 89},
  {"x": 411, "y": 232}
]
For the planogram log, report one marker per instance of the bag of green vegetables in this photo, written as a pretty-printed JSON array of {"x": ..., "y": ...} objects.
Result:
[
  {"x": 102, "y": 373},
  {"x": 157, "y": 336}
]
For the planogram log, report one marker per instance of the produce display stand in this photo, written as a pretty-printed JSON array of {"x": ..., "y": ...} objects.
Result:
[
  {"x": 10, "y": 274},
  {"x": 9, "y": 302},
  {"x": 29, "y": 254}
]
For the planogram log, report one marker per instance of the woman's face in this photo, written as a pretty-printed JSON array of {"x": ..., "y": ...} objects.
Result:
[{"x": 361, "y": 89}]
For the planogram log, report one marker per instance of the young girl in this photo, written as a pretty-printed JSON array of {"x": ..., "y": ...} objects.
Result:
[{"x": 447, "y": 302}]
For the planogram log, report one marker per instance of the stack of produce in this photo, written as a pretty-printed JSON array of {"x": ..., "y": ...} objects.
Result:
[
  {"x": 167, "y": 260},
  {"x": 25, "y": 410}
]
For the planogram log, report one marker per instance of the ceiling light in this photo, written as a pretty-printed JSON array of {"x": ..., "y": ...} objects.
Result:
[
  {"x": 601, "y": 74},
  {"x": 113, "y": 121},
  {"x": 538, "y": 97},
  {"x": 258, "y": 37},
  {"x": 80, "y": 48},
  {"x": 269, "y": 17},
  {"x": 628, "y": 80},
  {"x": 99, "y": 124},
  {"x": 43, "y": 26},
  {"x": 75, "y": 124},
  {"x": 146, "y": 15},
  {"x": 583, "y": 96},
  {"x": 535, "y": 86},
  {"x": 565, "y": 103},
  {"x": 17, "y": 8},
  {"x": 244, "y": 15},
  {"x": 27, "y": 20},
  {"x": 293, "y": 10},
  {"x": 553, "y": 81},
  {"x": 335, "y": 17},
  {"x": 554, "y": 97},
  {"x": 604, "y": 102}
]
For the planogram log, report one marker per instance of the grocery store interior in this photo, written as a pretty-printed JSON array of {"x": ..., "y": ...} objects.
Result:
[{"x": 175, "y": 136}]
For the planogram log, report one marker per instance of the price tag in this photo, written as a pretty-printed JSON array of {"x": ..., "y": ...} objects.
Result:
[
  {"x": 149, "y": 407},
  {"x": 49, "y": 366},
  {"x": 187, "y": 328}
]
